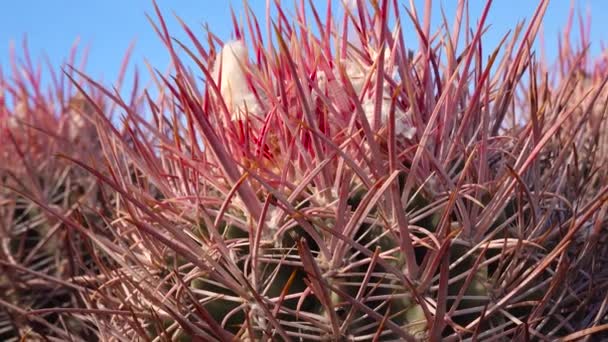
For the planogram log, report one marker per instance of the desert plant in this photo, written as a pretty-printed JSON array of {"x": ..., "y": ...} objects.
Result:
[
  {"x": 332, "y": 184},
  {"x": 39, "y": 258}
]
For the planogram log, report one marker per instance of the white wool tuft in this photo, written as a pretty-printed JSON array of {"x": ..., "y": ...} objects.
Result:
[
  {"x": 233, "y": 88},
  {"x": 357, "y": 73},
  {"x": 20, "y": 114}
]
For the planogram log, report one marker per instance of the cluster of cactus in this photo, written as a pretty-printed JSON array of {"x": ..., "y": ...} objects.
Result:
[{"x": 322, "y": 182}]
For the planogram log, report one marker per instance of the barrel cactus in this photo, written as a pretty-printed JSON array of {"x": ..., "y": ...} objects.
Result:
[{"x": 322, "y": 180}]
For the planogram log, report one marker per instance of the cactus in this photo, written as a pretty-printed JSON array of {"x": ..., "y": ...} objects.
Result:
[{"x": 329, "y": 185}]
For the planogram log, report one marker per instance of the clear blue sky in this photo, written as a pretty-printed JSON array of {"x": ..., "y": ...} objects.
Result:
[{"x": 109, "y": 26}]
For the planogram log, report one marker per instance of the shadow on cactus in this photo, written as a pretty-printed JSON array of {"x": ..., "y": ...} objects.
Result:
[{"x": 316, "y": 179}]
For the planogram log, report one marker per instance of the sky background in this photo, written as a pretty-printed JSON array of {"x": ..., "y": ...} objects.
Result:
[{"x": 108, "y": 27}]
